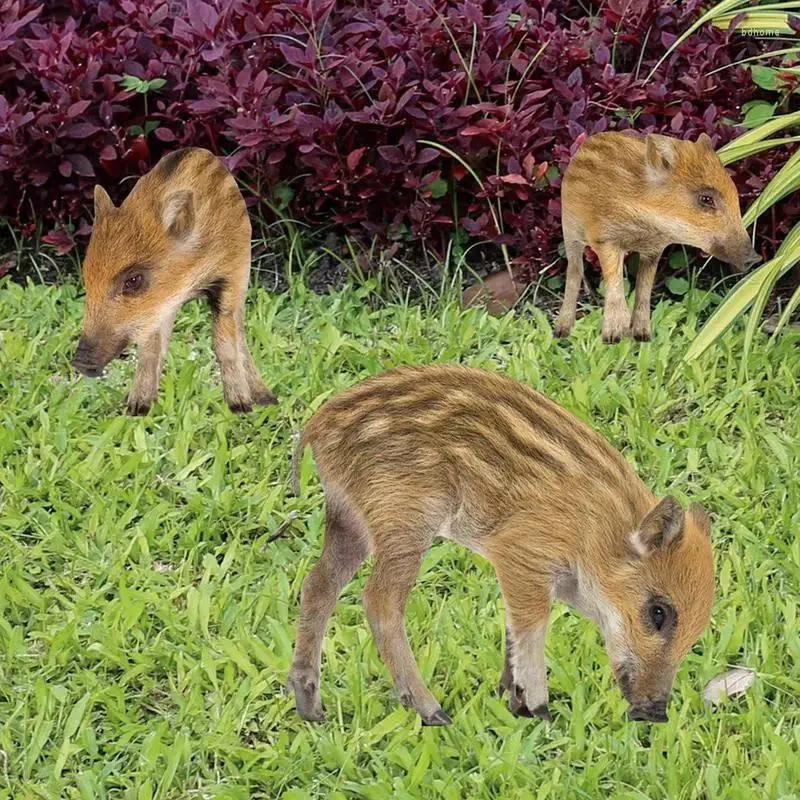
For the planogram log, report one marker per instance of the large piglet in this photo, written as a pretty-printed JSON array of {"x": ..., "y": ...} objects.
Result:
[
  {"x": 471, "y": 456},
  {"x": 183, "y": 232}
]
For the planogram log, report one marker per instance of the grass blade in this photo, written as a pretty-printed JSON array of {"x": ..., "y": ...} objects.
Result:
[{"x": 794, "y": 302}]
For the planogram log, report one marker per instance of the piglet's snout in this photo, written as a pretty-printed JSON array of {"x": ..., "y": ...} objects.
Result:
[
  {"x": 651, "y": 711},
  {"x": 751, "y": 259},
  {"x": 745, "y": 257},
  {"x": 85, "y": 360}
]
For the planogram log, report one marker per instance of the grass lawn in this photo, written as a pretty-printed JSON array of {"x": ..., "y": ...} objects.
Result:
[{"x": 147, "y": 625}]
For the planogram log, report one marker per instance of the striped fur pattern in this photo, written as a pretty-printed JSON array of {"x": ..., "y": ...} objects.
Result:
[
  {"x": 622, "y": 194},
  {"x": 183, "y": 232},
  {"x": 468, "y": 455}
]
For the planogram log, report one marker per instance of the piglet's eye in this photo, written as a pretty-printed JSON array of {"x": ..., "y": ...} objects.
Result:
[
  {"x": 707, "y": 201},
  {"x": 133, "y": 284},
  {"x": 658, "y": 617}
]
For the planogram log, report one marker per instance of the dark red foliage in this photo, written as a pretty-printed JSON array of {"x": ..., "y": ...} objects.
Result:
[{"x": 333, "y": 98}]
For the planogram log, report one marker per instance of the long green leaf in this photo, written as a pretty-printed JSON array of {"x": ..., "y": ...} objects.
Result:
[
  {"x": 784, "y": 182},
  {"x": 787, "y": 51},
  {"x": 761, "y": 132},
  {"x": 745, "y": 293},
  {"x": 758, "y": 20},
  {"x": 735, "y": 155},
  {"x": 770, "y": 278}
]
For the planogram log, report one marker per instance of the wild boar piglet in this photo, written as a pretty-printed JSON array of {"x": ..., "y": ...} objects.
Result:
[
  {"x": 621, "y": 194},
  {"x": 183, "y": 232},
  {"x": 469, "y": 455}
]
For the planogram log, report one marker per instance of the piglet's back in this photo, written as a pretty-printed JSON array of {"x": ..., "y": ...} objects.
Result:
[
  {"x": 611, "y": 165},
  {"x": 218, "y": 203},
  {"x": 462, "y": 438}
]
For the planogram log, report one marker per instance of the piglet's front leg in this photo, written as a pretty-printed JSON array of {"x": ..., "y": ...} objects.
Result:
[
  {"x": 528, "y": 609},
  {"x": 241, "y": 384},
  {"x": 616, "y": 316},
  {"x": 151, "y": 354},
  {"x": 516, "y": 694},
  {"x": 528, "y": 691},
  {"x": 525, "y": 583}
]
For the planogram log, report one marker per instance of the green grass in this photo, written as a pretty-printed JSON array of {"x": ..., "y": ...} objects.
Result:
[{"x": 146, "y": 625}]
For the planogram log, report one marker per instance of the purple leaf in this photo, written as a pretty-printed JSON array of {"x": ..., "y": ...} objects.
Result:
[
  {"x": 427, "y": 154},
  {"x": 203, "y": 106},
  {"x": 60, "y": 239},
  {"x": 354, "y": 157},
  {"x": 78, "y": 108},
  {"x": 81, "y": 164},
  {"x": 80, "y": 130},
  {"x": 394, "y": 155},
  {"x": 198, "y": 11}
]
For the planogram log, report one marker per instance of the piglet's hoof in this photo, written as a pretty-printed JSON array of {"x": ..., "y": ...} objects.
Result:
[
  {"x": 562, "y": 330},
  {"x": 309, "y": 706},
  {"x": 505, "y": 684},
  {"x": 439, "y": 717},
  {"x": 264, "y": 397},
  {"x": 137, "y": 408},
  {"x": 240, "y": 408},
  {"x": 306, "y": 696},
  {"x": 518, "y": 708}
]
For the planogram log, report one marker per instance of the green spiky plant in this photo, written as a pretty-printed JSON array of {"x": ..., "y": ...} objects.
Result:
[{"x": 755, "y": 289}]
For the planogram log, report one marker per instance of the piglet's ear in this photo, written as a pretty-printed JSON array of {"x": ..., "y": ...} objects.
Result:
[
  {"x": 700, "y": 518},
  {"x": 704, "y": 141},
  {"x": 662, "y": 527},
  {"x": 177, "y": 214},
  {"x": 102, "y": 202},
  {"x": 660, "y": 156}
]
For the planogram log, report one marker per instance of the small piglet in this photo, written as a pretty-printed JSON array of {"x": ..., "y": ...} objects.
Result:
[
  {"x": 183, "y": 232},
  {"x": 471, "y": 456},
  {"x": 622, "y": 194}
]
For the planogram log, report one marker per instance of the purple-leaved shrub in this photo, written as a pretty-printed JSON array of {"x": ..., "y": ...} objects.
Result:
[{"x": 326, "y": 103}]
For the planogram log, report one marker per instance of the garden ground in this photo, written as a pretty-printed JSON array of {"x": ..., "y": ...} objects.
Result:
[{"x": 147, "y": 624}]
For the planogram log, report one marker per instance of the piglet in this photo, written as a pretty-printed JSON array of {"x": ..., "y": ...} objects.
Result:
[
  {"x": 183, "y": 232},
  {"x": 468, "y": 455},
  {"x": 622, "y": 193}
]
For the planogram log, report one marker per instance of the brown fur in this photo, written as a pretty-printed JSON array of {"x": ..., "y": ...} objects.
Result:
[
  {"x": 183, "y": 232},
  {"x": 469, "y": 455},
  {"x": 622, "y": 194}
]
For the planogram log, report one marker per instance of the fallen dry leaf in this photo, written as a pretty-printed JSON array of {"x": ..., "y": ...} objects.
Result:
[
  {"x": 497, "y": 292},
  {"x": 734, "y": 682}
]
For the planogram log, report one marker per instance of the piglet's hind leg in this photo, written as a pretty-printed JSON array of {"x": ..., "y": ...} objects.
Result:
[
  {"x": 346, "y": 546},
  {"x": 384, "y": 601}
]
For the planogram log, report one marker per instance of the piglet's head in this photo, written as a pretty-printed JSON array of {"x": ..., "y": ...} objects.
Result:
[
  {"x": 697, "y": 202},
  {"x": 132, "y": 260},
  {"x": 663, "y": 595}
]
